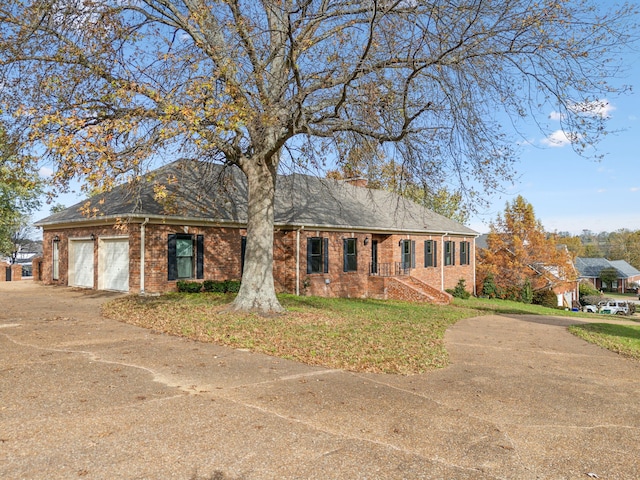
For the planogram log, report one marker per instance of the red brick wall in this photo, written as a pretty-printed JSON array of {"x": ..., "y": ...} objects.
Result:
[
  {"x": 222, "y": 259},
  {"x": 222, "y": 255},
  {"x": 3, "y": 271},
  {"x": 337, "y": 282}
]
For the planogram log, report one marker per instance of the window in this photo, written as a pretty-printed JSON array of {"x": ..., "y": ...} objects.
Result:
[
  {"x": 56, "y": 260},
  {"x": 408, "y": 254},
  {"x": 317, "y": 255},
  {"x": 449, "y": 253},
  {"x": 185, "y": 256},
  {"x": 465, "y": 253},
  {"x": 430, "y": 253},
  {"x": 350, "y": 255}
]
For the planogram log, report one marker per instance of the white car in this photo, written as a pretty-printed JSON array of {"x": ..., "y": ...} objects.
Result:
[{"x": 612, "y": 307}]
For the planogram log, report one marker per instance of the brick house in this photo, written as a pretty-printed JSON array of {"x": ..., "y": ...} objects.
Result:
[
  {"x": 187, "y": 220},
  {"x": 589, "y": 270}
]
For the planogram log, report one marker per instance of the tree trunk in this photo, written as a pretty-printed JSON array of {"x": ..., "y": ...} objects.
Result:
[{"x": 257, "y": 291}]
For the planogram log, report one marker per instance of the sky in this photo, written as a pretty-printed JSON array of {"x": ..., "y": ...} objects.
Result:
[{"x": 569, "y": 193}]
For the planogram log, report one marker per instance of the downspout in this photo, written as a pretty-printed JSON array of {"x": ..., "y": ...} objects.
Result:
[
  {"x": 142, "y": 249},
  {"x": 298, "y": 260},
  {"x": 442, "y": 261},
  {"x": 475, "y": 290}
]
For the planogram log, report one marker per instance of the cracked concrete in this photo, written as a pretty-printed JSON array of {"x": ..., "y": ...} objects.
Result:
[{"x": 86, "y": 397}]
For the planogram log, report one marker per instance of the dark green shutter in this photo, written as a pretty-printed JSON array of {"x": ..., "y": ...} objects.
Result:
[
  {"x": 243, "y": 251},
  {"x": 325, "y": 253},
  {"x": 309, "y": 255},
  {"x": 200, "y": 256},
  {"x": 172, "y": 265},
  {"x": 434, "y": 251},
  {"x": 426, "y": 253},
  {"x": 413, "y": 254},
  {"x": 345, "y": 262}
]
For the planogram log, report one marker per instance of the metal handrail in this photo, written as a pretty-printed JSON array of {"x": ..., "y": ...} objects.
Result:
[{"x": 390, "y": 269}]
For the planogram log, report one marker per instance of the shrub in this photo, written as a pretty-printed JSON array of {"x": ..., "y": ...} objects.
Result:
[
  {"x": 224, "y": 286},
  {"x": 527, "y": 292},
  {"x": 232, "y": 286},
  {"x": 546, "y": 298},
  {"x": 587, "y": 290},
  {"x": 189, "y": 287},
  {"x": 213, "y": 286},
  {"x": 489, "y": 287},
  {"x": 460, "y": 290}
]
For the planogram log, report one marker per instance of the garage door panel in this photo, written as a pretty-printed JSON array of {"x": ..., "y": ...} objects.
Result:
[
  {"x": 114, "y": 264},
  {"x": 81, "y": 263}
]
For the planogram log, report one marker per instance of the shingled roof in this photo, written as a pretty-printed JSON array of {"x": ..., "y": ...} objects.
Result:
[
  {"x": 211, "y": 193},
  {"x": 591, "y": 267}
]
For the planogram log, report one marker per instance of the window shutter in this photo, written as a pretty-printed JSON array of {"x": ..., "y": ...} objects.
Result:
[
  {"x": 434, "y": 250},
  {"x": 426, "y": 253},
  {"x": 345, "y": 263},
  {"x": 413, "y": 254},
  {"x": 172, "y": 265},
  {"x": 453, "y": 253},
  {"x": 199, "y": 256},
  {"x": 325, "y": 253},
  {"x": 309, "y": 255},
  {"x": 243, "y": 251}
]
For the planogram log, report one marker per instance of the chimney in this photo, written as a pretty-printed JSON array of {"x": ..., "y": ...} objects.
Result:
[{"x": 357, "y": 181}]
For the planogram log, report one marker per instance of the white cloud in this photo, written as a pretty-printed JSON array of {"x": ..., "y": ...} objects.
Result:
[
  {"x": 601, "y": 190},
  {"x": 557, "y": 116},
  {"x": 559, "y": 139},
  {"x": 600, "y": 108},
  {"x": 45, "y": 172},
  {"x": 634, "y": 189}
]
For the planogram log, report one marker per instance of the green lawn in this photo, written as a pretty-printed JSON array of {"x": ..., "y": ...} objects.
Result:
[
  {"x": 622, "y": 339},
  {"x": 350, "y": 334}
]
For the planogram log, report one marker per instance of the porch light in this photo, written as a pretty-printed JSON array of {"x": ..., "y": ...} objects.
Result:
[
  {"x": 56, "y": 239},
  {"x": 93, "y": 237},
  {"x": 366, "y": 240}
]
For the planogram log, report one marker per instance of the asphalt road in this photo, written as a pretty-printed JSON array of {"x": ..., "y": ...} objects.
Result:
[{"x": 86, "y": 397}]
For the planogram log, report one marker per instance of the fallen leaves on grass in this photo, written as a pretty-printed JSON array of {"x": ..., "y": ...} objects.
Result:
[{"x": 356, "y": 335}]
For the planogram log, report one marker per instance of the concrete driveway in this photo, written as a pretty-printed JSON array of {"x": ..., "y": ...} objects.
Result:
[{"x": 82, "y": 396}]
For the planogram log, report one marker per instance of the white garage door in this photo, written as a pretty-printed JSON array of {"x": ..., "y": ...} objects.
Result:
[
  {"x": 81, "y": 263},
  {"x": 113, "y": 264}
]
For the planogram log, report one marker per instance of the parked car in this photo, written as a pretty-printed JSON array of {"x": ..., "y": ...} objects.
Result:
[{"x": 611, "y": 307}]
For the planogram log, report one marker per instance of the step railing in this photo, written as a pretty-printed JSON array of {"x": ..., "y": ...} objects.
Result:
[{"x": 390, "y": 269}]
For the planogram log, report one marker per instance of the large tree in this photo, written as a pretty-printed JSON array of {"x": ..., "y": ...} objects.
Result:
[
  {"x": 102, "y": 85},
  {"x": 19, "y": 190},
  {"x": 519, "y": 252}
]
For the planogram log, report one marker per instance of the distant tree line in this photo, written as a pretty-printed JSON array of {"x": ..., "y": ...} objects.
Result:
[{"x": 623, "y": 244}]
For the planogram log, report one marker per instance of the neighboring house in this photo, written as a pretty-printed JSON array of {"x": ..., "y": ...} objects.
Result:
[
  {"x": 589, "y": 269},
  {"x": 24, "y": 257},
  {"x": 332, "y": 238},
  {"x": 560, "y": 280}
]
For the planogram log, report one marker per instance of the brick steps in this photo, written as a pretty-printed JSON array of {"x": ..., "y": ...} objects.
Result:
[{"x": 412, "y": 289}]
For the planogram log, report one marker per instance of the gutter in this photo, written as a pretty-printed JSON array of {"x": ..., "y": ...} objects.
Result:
[
  {"x": 298, "y": 260},
  {"x": 182, "y": 220},
  {"x": 142, "y": 250}
]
